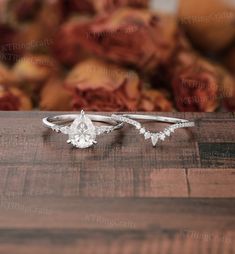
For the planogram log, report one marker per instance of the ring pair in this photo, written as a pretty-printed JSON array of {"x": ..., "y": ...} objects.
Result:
[{"x": 82, "y": 132}]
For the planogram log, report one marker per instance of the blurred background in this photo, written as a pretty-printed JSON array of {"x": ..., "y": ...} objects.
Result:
[{"x": 117, "y": 55}]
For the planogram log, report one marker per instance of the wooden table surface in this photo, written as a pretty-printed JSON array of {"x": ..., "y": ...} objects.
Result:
[{"x": 120, "y": 197}]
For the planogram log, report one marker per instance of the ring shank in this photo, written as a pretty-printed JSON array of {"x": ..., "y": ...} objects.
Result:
[
  {"x": 62, "y": 119},
  {"x": 156, "y": 118}
]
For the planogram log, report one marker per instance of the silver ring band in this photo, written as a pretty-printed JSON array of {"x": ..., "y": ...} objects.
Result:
[
  {"x": 79, "y": 127},
  {"x": 154, "y": 136},
  {"x": 54, "y": 121},
  {"x": 155, "y": 118}
]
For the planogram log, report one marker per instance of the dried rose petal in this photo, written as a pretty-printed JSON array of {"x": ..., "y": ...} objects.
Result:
[
  {"x": 14, "y": 12},
  {"x": 99, "y": 86},
  {"x": 32, "y": 38},
  {"x": 12, "y": 98},
  {"x": 130, "y": 36},
  {"x": 110, "y": 5},
  {"x": 228, "y": 91},
  {"x": 32, "y": 71},
  {"x": 3, "y": 11},
  {"x": 51, "y": 15},
  {"x": 154, "y": 100},
  {"x": 229, "y": 102},
  {"x": 209, "y": 24},
  {"x": 23, "y": 10},
  {"x": 195, "y": 91},
  {"x": 229, "y": 81},
  {"x": 82, "y": 6},
  {"x": 54, "y": 97},
  {"x": 6, "y": 76},
  {"x": 36, "y": 35},
  {"x": 229, "y": 60},
  {"x": 196, "y": 83},
  {"x": 66, "y": 48},
  {"x": 8, "y": 36},
  {"x": 92, "y": 6},
  {"x": 27, "y": 39}
]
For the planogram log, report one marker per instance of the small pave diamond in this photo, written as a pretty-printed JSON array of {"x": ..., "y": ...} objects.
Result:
[
  {"x": 162, "y": 136},
  {"x": 167, "y": 132},
  {"x": 172, "y": 129},
  {"x": 142, "y": 130},
  {"x": 147, "y": 135},
  {"x": 103, "y": 129}
]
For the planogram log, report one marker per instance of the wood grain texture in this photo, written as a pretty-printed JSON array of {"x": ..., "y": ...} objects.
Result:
[{"x": 121, "y": 196}]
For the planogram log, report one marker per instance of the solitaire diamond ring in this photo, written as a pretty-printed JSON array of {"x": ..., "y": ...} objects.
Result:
[
  {"x": 155, "y": 137},
  {"x": 82, "y": 132}
]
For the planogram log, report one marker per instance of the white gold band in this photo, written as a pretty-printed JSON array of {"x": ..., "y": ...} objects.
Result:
[
  {"x": 155, "y": 118},
  {"x": 154, "y": 136}
]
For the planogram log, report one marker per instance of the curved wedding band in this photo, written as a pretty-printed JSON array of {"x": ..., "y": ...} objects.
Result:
[
  {"x": 154, "y": 136},
  {"x": 82, "y": 133}
]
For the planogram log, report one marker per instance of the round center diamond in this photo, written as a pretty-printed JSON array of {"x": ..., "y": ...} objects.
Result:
[{"x": 82, "y": 132}]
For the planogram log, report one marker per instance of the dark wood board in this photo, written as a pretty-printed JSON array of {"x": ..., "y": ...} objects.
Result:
[{"x": 121, "y": 196}]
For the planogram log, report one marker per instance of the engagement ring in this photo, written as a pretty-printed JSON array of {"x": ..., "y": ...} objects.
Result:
[{"x": 82, "y": 132}]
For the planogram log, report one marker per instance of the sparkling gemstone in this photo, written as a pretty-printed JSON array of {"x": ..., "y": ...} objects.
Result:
[
  {"x": 172, "y": 130},
  {"x": 154, "y": 139},
  {"x": 167, "y": 132},
  {"x": 147, "y": 135},
  {"x": 82, "y": 133},
  {"x": 162, "y": 136},
  {"x": 142, "y": 130}
]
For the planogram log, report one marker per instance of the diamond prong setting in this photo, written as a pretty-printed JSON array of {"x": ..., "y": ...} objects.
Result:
[{"x": 82, "y": 132}]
